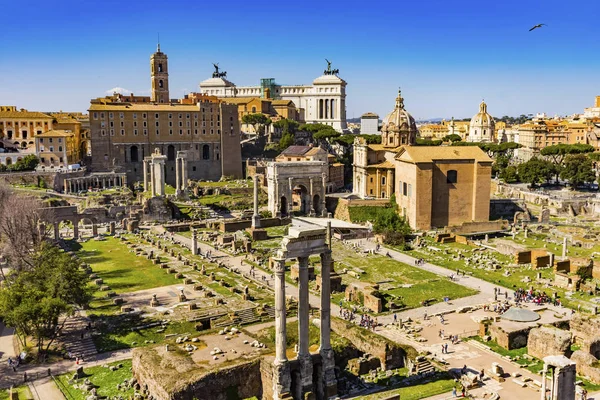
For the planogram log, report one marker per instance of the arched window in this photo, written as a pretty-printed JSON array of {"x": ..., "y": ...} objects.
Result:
[
  {"x": 205, "y": 152},
  {"x": 134, "y": 154},
  {"x": 171, "y": 153},
  {"x": 160, "y": 67},
  {"x": 253, "y": 109},
  {"x": 452, "y": 176},
  {"x": 160, "y": 84}
]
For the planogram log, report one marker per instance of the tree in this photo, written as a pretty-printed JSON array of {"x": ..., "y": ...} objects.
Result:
[
  {"x": 536, "y": 171},
  {"x": 427, "y": 142},
  {"x": 509, "y": 174},
  {"x": 20, "y": 233},
  {"x": 578, "y": 170},
  {"x": 287, "y": 139},
  {"x": 27, "y": 163},
  {"x": 392, "y": 226},
  {"x": 452, "y": 138},
  {"x": 33, "y": 300},
  {"x": 286, "y": 126},
  {"x": 558, "y": 152},
  {"x": 258, "y": 121}
]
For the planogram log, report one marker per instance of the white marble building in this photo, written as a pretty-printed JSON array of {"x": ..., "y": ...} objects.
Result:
[{"x": 323, "y": 101}]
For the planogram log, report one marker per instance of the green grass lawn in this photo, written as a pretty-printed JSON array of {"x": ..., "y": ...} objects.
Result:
[
  {"x": 229, "y": 184},
  {"x": 22, "y": 392},
  {"x": 122, "y": 270},
  {"x": 419, "y": 390},
  {"x": 513, "y": 281},
  {"x": 425, "y": 285},
  {"x": 103, "y": 378},
  {"x": 120, "y": 336}
]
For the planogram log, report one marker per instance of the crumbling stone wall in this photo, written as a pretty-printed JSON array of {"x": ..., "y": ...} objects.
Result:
[
  {"x": 509, "y": 340},
  {"x": 391, "y": 355},
  {"x": 586, "y": 333},
  {"x": 586, "y": 365},
  {"x": 548, "y": 341},
  {"x": 174, "y": 376}
]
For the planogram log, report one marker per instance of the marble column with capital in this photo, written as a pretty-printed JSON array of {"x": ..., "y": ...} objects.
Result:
[
  {"x": 327, "y": 356},
  {"x": 282, "y": 379},
  {"x": 304, "y": 358}
]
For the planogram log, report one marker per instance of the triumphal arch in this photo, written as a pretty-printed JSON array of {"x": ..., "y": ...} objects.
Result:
[{"x": 297, "y": 186}]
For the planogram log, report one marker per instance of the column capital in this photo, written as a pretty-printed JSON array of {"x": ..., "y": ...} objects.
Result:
[{"x": 278, "y": 264}]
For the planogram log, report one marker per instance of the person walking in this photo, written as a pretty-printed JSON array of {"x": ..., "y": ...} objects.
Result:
[{"x": 454, "y": 391}]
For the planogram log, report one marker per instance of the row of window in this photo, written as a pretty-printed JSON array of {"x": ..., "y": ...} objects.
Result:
[
  {"x": 145, "y": 124},
  {"x": 156, "y": 115},
  {"x": 51, "y": 149},
  {"x": 50, "y": 140},
  {"x": 25, "y": 123},
  {"x": 145, "y": 131},
  {"x": 134, "y": 153}
]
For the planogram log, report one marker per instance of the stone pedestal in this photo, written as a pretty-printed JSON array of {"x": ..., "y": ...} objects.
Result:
[
  {"x": 111, "y": 228},
  {"x": 258, "y": 234},
  {"x": 282, "y": 380}
]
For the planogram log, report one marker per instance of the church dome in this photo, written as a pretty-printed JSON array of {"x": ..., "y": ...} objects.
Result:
[
  {"x": 482, "y": 126},
  {"x": 399, "y": 125},
  {"x": 482, "y": 118}
]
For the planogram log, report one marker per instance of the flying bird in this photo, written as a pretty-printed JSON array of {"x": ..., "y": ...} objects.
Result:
[{"x": 537, "y": 26}]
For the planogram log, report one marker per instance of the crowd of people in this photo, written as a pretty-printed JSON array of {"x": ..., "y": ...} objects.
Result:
[{"x": 531, "y": 296}]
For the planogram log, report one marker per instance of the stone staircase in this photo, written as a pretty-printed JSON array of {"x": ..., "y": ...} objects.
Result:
[
  {"x": 270, "y": 312},
  {"x": 423, "y": 366},
  {"x": 247, "y": 316},
  {"x": 72, "y": 341}
]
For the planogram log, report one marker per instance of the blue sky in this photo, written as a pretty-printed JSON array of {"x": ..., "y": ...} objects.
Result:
[{"x": 446, "y": 55}]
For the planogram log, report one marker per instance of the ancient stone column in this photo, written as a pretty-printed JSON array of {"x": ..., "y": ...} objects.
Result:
[
  {"x": 56, "y": 231},
  {"x": 94, "y": 229},
  {"x": 306, "y": 367},
  {"x": 184, "y": 172},
  {"x": 256, "y": 215},
  {"x": 564, "y": 250},
  {"x": 112, "y": 227},
  {"x": 177, "y": 176},
  {"x": 327, "y": 356},
  {"x": 281, "y": 369},
  {"x": 75, "y": 230},
  {"x": 194, "y": 242},
  {"x": 323, "y": 207}
]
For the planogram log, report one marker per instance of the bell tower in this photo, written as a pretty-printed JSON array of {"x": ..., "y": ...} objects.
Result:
[{"x": 159, "y": 73}]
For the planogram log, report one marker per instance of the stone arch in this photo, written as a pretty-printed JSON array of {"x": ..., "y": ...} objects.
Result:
[
  {"x": 206, "y": 152},
  {"x": 595, "y": 347},
  {"x": 8, "y": 161},
  {"x": 87, "y": 220},
  {"x": 283, "y": 206},
  {"x": 316, "y": 203},
  {"x": 301, "y": 199}
]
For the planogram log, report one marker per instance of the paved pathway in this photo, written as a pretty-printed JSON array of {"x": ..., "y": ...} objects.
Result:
[{"x": 38, "y": 371}]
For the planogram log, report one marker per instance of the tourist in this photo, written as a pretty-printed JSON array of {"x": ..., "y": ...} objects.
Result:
[
  {"x": 481, "y": 375},
  {"x": 446, "y": 348},
  {"x": 395, "y": 318},
  {"x": 11, "y": 364},
  {"x": 443, "y": 351},
  {"x": 454, "y": 392},
  {"x": 463, "y": 392}
]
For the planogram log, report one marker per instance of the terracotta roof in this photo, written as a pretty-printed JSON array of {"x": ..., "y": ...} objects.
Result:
[
  {"x": 380, "y": 147},
  {"x": 425, "y": 154},
  {"x": 314, "y": 150},
  {"x": 56, "y": 133},
  {"x": 24, "y": 114},
  {"x": 239, "y": 100},
  {"x": 296, "y": 150},
  {"x": 385, "y": 164},
  {"x": 282, "y": 102}
]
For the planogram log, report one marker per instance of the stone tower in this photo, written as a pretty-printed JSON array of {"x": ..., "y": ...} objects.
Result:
[{"x": 159, "y": 72}]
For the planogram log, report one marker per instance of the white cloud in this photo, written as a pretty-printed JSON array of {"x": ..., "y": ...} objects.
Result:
[{"x": 118, "y": 90}]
